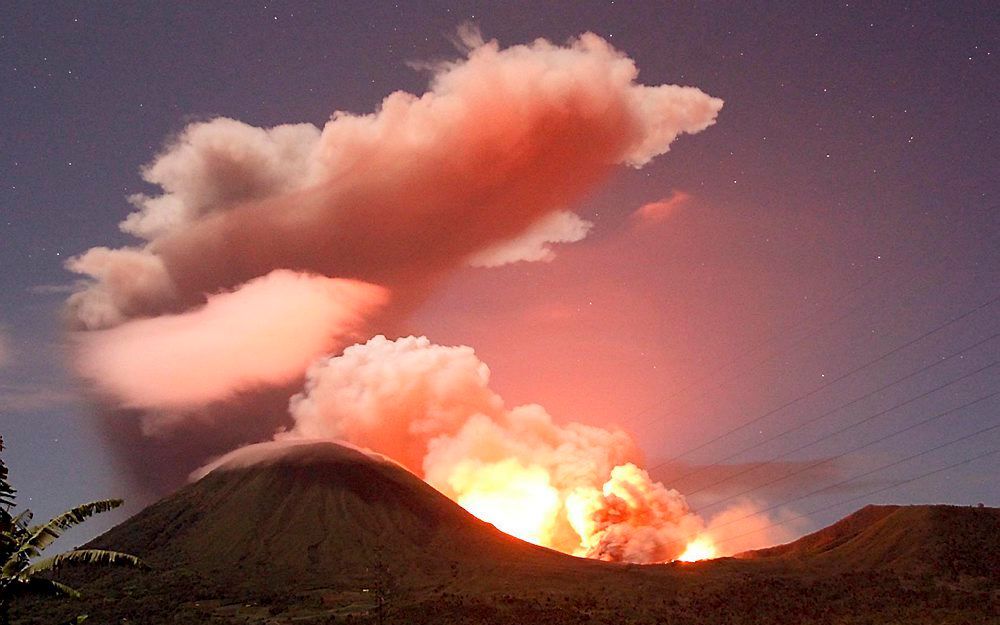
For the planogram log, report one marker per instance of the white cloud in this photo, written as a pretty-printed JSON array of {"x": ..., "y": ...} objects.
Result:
[{"x": 535, "y": 243}]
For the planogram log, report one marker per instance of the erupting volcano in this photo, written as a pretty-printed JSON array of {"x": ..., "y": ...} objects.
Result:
[
  {"x": 273, "y": 254},
  {"x": 575, "y": 488}
]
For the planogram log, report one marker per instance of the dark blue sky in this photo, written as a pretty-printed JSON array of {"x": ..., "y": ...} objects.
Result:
[{"x": 853, "y": 167}]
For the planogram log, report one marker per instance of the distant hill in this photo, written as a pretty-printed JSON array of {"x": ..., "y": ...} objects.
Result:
[
  {"x": 313, "y": 533},
  {"x": 942, "y": 540}
]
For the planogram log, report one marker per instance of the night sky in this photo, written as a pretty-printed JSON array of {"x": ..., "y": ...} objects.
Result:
[{"x": 844, "y": 205}]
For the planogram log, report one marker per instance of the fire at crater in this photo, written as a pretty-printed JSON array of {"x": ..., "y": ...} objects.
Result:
[{"x": 572, "y": 487}]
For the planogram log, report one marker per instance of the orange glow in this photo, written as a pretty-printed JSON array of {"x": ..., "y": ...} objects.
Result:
[
  {"x": 518, "y": 500},
  {"x": 702, "y": 548},
  {"x": 528, "y": 502}
]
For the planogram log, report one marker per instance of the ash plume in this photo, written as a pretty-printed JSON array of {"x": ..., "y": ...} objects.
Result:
[
  {"x": 572, "y": 487},
  {"x": 270, "y": 248}
]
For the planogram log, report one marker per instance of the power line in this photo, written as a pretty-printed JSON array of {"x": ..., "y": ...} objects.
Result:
[
  {"x": 845, "y": 375},
  {"x": 854, "y": 449},
  {"x": 812, "y": 420},
  {"x": 865, "y": 474},
  {"x": 754, "y": 346},
  {"x": 862, "y": 496},
  {"x": 854, "y": 425}
]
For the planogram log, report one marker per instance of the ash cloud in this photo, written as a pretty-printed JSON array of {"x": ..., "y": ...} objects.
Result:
[
  {"x": 501, "y": 139},
  {"x": 535, "y": 244},
  {"x": 266, "y": 332},
  {"x": 572, "y": 487},
  {"x": 660, "y": 210},
  {"x": 431, "y": 408},
  {"x": 269, "y": 247}
]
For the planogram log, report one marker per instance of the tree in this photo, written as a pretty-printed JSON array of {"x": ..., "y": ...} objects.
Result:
[{"x": 22, "y": 570}]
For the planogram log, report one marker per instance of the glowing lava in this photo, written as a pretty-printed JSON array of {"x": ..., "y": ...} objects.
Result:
[
  {"x": 701, "y": 548},
  {"x": 518, "y": 500}
]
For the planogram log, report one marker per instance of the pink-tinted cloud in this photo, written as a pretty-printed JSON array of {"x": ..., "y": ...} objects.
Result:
[
  {"x": 487, "y": 163},
  {"x": 741, "y": 527},
  {"x": 501, "y": 139},
  {"x": 655, "y": 212},
  {"x": 569, "y": 486},
  {"x": 264, "y": 333},
  {"x": 431, "y": 408},
  {"x": 535, "y": 243}
]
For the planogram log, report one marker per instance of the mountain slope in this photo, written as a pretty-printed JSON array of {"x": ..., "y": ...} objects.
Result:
[
  {"x": 943, "y": 540},
  {"x": 276, "y": 535},
  {"x": 320, "y": 512}
]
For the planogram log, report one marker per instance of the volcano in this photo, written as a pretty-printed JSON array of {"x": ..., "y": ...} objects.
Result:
[
  {"x": 320, "y": 512},
  {"x": 322, "y": 533}
]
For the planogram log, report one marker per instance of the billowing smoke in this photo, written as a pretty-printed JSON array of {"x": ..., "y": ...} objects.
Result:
[
  {"x": 501, "y": 139},
  {"x": 572, "y": 487},
  {"x": 657, "y": 211},
  {"x": 534, "y": 244},
  {"x": 271, "y": 247},
  {"x": 482, "y": 169},
  {"x": 221, "y": 342}
]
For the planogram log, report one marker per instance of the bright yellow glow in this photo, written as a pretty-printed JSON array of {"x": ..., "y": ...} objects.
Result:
[
  {"x": 518, "y": 500},
  {"x": 701, "y": 548}
]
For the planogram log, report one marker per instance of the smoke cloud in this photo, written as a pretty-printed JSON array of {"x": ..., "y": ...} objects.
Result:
[
  {"x": 655, "y": 212},
  {"x": 572, "y": 487},
  {"x": 738, "y": 528},
  {"x": 501, "y": 139},
  {"x": 268, "y": 248},
  {"x": 479, "y": 169},
  {"x": 535, "y": 243},
  {"x": 263, "y": 333}
]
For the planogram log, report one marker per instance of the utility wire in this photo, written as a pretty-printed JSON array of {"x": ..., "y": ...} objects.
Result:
[
  {"x": 862, "y": 496},
  {"x": 843, "y": 376},
  {"x": 850, "y": 451},
  {"x": 854, "y": 425},
  {"x": 750, "y": 348},
  {"x": 865, "y": 474},
  {"x": 754, "y": 346},
  {"x": 812, "y": 420}
]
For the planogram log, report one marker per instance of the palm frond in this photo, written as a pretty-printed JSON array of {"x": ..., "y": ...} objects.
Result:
[
  {"x": 22, "y": 520},
  {"x": 87, "y": 556},
  {"x": 44, "y": 535},
  {"x": 42, "y": 586},
  {"x": 37, "y": 538},
  {"x": 7, "y": 492}
]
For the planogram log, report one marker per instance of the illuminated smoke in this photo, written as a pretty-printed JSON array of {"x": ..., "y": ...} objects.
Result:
[
  {"x": 502, "y": 139},
  {"x": 269, "y": 247},
  {"x": 265, "y": 332},
  {"x": 572, "y": 487},
  {"x": 480, "y": 169}
]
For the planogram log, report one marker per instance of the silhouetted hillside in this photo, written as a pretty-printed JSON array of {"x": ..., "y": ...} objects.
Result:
[
  {"x": 312, "y": 533},
  {"x": 319, "y": 512},
  {"x": 938, "y": 540}
]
